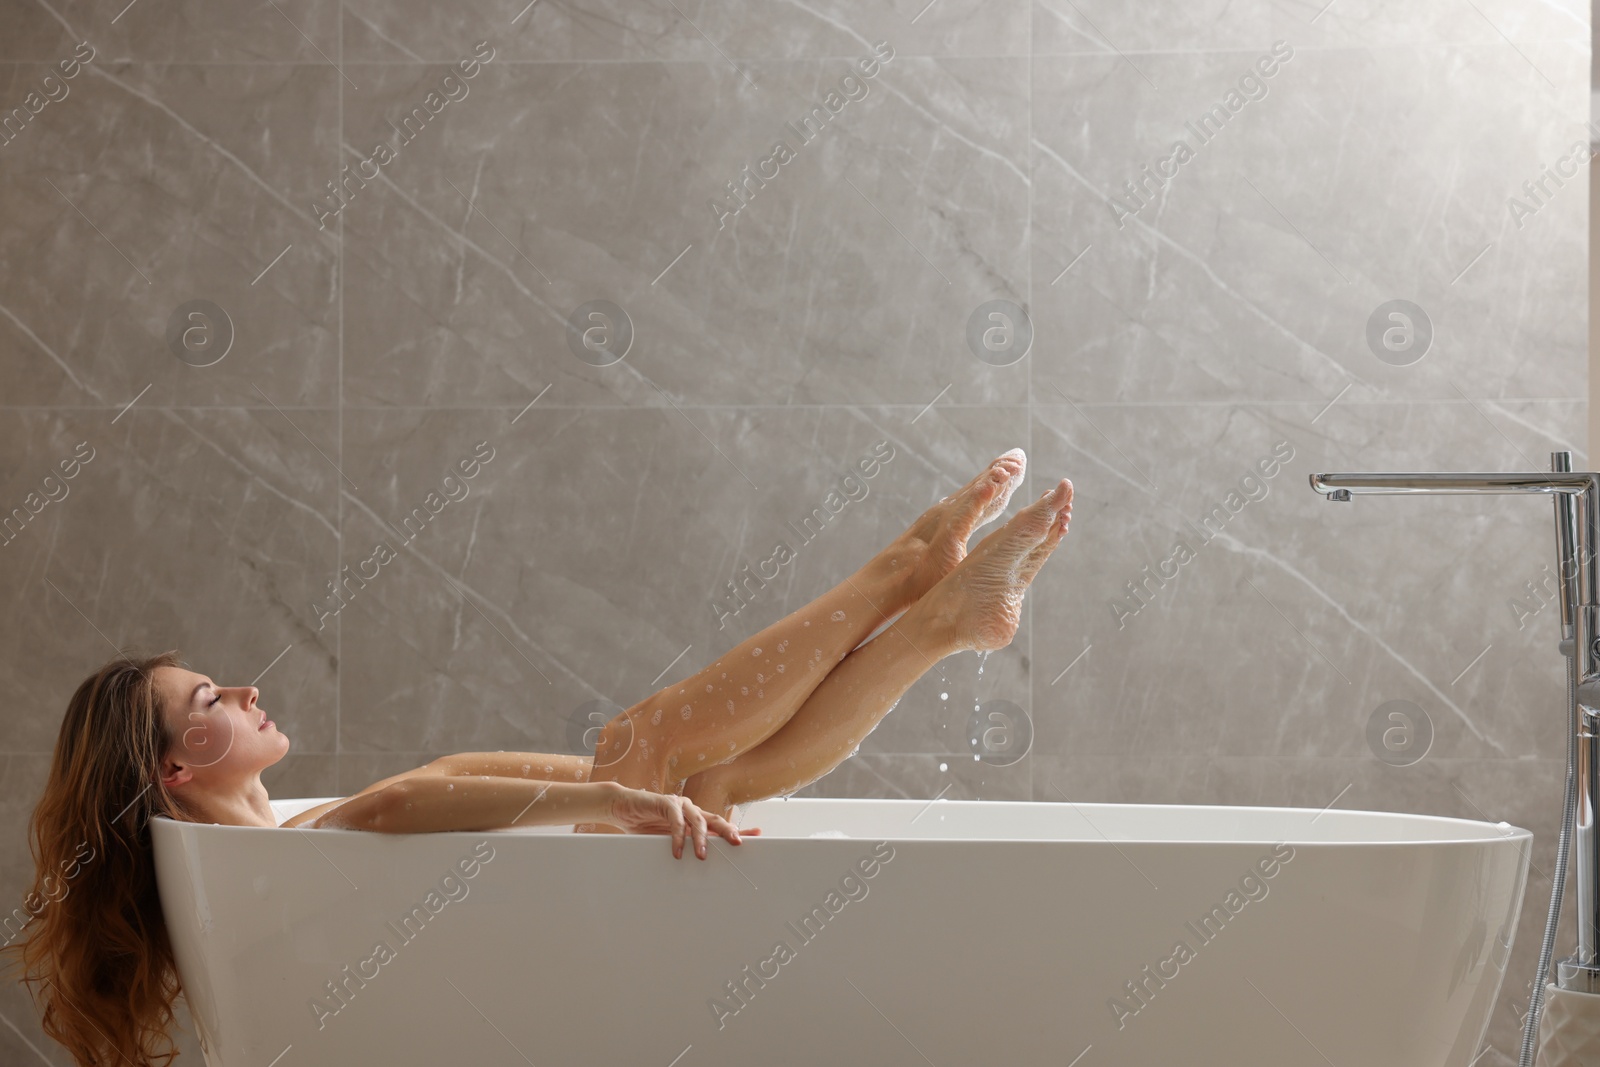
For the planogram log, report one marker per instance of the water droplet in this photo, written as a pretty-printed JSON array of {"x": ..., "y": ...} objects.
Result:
[
  {"x": 686, "y": 711},
  {"x": 708, "y": 687},
  {"x": 732, "y": 746},
  {"x": 761, "y": 692},
  {"x": 526, "y": 767},
  {"x": 701, "y": 755},
  {"x": 805, "y": 622},
  {"x": 944, "y": 766},
  {"x": 782, "y": 645},
  {"x": 730, "y": 705},
  {"x": 780, "y": 668},
  {"x": 449, "y": 787},
  {"x": 655, "y": 717},
  {"x": 744, "y": 690},
  {"x": 408, "y": 803},
  {"x": 837, "y": 616},
  {"x": 548, "y": 769},
  {"x": 760, "y": 677},
  {"x": 755, "y": 652}
]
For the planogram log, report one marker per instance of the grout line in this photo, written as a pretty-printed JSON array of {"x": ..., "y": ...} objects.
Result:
[
  {"x": 831, "y": 406},
  {"x": 1365, "y": 47},
  {"x": 1033, "y": 708},
  {"x": 338, "y": 541}
]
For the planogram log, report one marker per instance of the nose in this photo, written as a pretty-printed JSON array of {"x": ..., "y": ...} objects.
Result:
[{"x": 254, "y": 695}]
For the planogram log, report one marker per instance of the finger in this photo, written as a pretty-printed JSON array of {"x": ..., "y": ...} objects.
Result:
[
  {"x": 722, "y": 826},
  {"x": 677, "y": 827},
  {"x": 699, "y": 818}
]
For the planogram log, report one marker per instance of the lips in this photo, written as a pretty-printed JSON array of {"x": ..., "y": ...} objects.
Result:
[{"x": 265, "y": 722}]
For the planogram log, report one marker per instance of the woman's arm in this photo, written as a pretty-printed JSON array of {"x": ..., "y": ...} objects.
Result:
[
  {"x": 549, "y": 766},
  {"x": 428, "y": 803},
  {"x": 543, "y": 766}
]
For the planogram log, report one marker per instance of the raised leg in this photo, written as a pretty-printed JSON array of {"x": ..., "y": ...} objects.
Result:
[
  {"x": 746, "y": 695},
  {"x": 750, "y": 692},
  {"x": 978, "y": 606}
]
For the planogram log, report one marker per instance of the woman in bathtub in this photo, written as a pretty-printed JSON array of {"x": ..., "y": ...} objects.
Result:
[{"x": 775, "y": 713}]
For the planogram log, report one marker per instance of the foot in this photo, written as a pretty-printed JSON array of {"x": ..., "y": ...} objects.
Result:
[
  {"x": 934, "y": 544},
  {"x": 978, "y": 605}
]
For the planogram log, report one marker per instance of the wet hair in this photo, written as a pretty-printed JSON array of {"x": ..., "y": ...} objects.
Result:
[{"x": 90, "y": 940}]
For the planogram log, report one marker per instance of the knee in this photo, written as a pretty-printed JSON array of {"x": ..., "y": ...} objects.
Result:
[
  {"x": 442, "y": 765},
  {"x": 615, "y": 740}
]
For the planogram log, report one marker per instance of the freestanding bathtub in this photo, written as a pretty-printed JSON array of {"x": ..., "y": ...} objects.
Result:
[{"x": 951, "y": 933}]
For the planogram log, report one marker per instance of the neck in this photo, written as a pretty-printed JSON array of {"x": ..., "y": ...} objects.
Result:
[{"x": 244, "y": 804}]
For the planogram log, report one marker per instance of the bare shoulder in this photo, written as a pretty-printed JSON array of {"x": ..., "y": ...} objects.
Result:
[{"x": 312, "y": 814}]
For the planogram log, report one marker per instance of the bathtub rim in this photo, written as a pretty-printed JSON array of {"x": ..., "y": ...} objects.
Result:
[{"x": 1483, "y": 832}]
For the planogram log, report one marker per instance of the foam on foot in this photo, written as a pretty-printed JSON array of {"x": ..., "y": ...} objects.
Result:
[{"x": 986, "y": 589}]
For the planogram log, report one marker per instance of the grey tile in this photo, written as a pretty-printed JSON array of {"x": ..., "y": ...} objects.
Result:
[
  {"x": 1358, "y": 23},
  {"x": 1066, "y": 27},
  {"x": 190, "y": 31},
  {"x": 150, "y": 187},
  {"x": 847, "y": 277},
  {"x": 1250, "y": 274},
  {"x": 722, "y": 32},
  {"x": 205, "y": 531}
]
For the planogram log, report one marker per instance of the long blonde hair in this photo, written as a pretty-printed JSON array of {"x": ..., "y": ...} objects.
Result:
[{"x": 90, "y": 939}]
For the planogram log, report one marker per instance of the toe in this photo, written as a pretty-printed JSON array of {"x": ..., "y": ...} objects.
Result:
[
  {"x": 981, "y": 503},
  {"x": 1043, "y": 515},
  {"x": 1035, "y": 559}
]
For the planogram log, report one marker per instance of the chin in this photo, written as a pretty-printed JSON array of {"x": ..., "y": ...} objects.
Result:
[{"x": 283, "y": 751}]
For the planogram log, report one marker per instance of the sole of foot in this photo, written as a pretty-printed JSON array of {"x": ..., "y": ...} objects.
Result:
[
  {"x": 938, "y": 539},
  {"x": 980, "y": 601}
]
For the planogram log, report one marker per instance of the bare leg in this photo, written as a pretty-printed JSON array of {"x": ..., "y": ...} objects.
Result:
[
  {"x": 977, "y": 606},
  {"x": 747, "y": 695}
]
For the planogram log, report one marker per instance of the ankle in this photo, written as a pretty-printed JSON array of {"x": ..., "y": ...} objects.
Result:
[
  {"x": 886, "y": 581},
  {"x": 930, "y": 625}
]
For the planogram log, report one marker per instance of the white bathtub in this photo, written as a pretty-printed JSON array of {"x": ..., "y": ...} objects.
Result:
[{"x": 987, "y": 933}]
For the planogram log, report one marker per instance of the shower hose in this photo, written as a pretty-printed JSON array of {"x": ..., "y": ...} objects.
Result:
[{"x": 1530, "y": 1032}]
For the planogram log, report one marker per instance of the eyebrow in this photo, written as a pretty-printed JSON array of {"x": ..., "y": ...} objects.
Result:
[{"x": 196, "y": 691}]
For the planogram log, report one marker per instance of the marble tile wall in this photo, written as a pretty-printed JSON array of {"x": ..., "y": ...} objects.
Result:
[{"x": 1216, "y": 319}]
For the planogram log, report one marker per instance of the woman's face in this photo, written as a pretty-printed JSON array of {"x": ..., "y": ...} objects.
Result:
[{"x": 216, "y": 733}]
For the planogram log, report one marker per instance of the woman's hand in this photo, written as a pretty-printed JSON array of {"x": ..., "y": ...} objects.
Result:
[{"x": 639, "y": 811}]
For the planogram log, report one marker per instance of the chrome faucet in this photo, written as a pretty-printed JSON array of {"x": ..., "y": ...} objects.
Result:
[{"x": 1577, "y": 516}]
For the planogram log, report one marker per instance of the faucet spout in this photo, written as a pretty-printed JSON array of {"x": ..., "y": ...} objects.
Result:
[{"x": 1339, "y": 486}]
